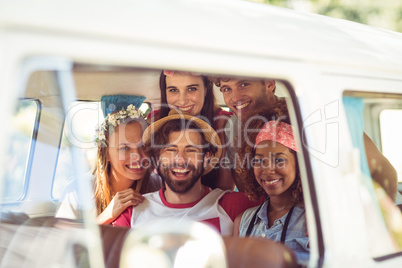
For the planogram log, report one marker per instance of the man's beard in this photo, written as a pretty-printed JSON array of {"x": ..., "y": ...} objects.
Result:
[{"x": 184, "y": 186}]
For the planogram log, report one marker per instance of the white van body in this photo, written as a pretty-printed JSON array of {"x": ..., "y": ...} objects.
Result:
[{"x": 316, "y": 58}]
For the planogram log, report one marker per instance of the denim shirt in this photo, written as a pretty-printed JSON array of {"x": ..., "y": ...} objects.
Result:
[{"x": 296, "y": 238}]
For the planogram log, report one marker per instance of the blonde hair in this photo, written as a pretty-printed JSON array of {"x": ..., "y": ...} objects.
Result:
[{"x": 102, "y": 186}]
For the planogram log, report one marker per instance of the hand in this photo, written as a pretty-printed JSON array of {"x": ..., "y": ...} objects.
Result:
[
  {"x": 123, "y": 199},
  {"x": 119, "y": 203}
]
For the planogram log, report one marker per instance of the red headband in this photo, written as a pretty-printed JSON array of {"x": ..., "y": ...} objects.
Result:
[{"x": 279, "y": 132}]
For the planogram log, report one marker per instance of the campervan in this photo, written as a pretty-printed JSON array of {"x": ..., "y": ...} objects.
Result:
[{"x": 340, "y": 79}]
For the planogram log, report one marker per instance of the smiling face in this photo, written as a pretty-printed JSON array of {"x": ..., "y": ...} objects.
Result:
[
  {"x": 125, "y": 152},
  {"x": 185, "y": 92},
  {"x": 181, "y": 162},
  {"x": 274, "y": 168},
  {"x": 244, "y": 96}
]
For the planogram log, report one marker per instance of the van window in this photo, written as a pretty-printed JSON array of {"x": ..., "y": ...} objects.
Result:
[
  {"x": 20, "y": 149},
  {"x": 391, "y": 142},
  {"x": 83, "y": 116},
  {"x": 79, "y": 131},
  {"x": 365, "y": 113},
  {"x": 241, "y": 131}
]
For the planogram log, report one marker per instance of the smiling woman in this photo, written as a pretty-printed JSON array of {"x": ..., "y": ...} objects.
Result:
[
  {"x": 186, "y": 93},
  {"x": 274, "y": 175},
  {"x": 189, "y": 92},
  {"x": 122, "y": 172}
]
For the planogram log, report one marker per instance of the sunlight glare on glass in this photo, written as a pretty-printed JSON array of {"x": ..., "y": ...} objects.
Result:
[{"x": 391, "y": 131}]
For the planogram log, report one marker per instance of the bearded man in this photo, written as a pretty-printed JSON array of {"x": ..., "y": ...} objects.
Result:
[{"x": 184, "y": 148}]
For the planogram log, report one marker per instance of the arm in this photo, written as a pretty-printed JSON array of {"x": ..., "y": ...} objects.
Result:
[
  {"x": 236, "y": 225},
  {"x": 380, "y": 168},
  {"x": 119, "y": 203},
  {"x": 258, "y": 252}
]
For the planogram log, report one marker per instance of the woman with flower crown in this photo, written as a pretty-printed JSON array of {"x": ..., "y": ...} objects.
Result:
[
  {"x": 121, "y": 173},
  {"x": 192, "y": 93}
]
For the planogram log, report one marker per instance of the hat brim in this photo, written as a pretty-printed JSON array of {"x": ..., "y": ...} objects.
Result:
[{"x": 209, "y": 133}]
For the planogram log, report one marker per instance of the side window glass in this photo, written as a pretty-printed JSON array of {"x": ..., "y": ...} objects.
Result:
[
  {"x": 390, "y": 139},
  {"x": 365, "y": 114},
  {"x": 145, "y": 108},
  {"x": 79, "y": 131},
  {"x": 34, "y": 115},
  {"x": 262, "y": 138},
  {"x": 20, "y": 149}
]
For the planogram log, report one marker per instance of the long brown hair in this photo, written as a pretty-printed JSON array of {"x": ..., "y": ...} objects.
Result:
[
  {"x": 255, "y": 121},
  {"x": 101, "y": 182}
]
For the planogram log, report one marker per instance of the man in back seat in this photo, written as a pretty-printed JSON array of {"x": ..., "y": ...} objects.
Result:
[{"x": 184, "y": 148}]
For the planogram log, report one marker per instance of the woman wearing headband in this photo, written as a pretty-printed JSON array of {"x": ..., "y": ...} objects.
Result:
[{"x": 274, "y": 174}]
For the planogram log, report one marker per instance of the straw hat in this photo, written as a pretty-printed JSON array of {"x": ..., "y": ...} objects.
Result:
[{"x": 209, "y": 133}]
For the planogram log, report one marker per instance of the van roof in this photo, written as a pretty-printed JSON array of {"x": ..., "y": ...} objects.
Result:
[{"x": 225, "y": 26}]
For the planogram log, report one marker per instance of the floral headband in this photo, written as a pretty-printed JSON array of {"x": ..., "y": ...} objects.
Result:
[
  {"x": 279, "y": 132},
  {"x": 112, "y": 120}
]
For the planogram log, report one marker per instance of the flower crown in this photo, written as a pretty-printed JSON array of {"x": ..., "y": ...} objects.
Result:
[{"x": 114, "y": 119}]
